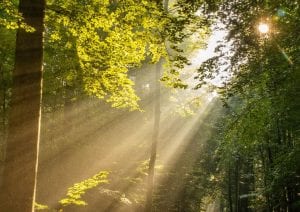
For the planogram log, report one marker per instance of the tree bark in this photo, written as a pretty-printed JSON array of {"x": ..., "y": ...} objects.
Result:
[
  {"x": 230, "y": 190},
  {"x": 19, "y": 177},
  {"x": 237, "y": 185},
  {"x": 150, "y": 183},
  {"x": 3, "y": 119},
  {"x": 3, "y": 106},
  {"x": 265, "y": 180}
]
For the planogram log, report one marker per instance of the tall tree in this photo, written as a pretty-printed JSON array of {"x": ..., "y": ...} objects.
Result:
[
  {"x": 182, "y": 24},
  {"x": 155, "y": 138},
  {"x": 19, "y": 178}
]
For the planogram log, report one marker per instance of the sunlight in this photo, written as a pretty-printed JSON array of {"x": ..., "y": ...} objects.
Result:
[
  {"x": 284, "y": 54},
  {"x": 182, "y": 136},
  {"x": 119, "y": 145},
  {"x": 122, "y": 142},
  {"x": 149, "y": 106},
  {"x": 216, "y": 39},
  {"x": 119, "y": 142},
  {"x": 263, "y": 28},
  {"x": 212, "y": 95}
]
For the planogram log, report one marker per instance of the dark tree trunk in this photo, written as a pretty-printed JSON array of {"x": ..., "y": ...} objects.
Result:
[
  {"x": 149, "y": 197},
  {"x": 19, "y": 177},
  {"x": 2, "y": 105},
  {"x": 229, "y": 190},
  {"x": 265, "y": 176},
  {"x": 3, "y": 119},
  {"x": 237, "y": 185},
  {"x": 246, "y": 184}
]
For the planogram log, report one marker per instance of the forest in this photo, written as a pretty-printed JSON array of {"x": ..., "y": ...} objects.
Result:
[{"x": 150, "y": 105}]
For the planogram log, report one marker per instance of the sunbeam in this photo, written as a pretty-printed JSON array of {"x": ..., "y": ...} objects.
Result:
[
  {"x": 117, "y": 144},
  {"x": 149, "y": 106},
  {"x": 94, "y": 137},
  {"x": 288, "y": 59}
]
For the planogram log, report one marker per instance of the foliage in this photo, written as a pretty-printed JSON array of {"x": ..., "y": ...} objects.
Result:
[
  {"x": 109, "y": 39},
  {"x": 38, "y": 206},
  {"x": 91, "y": 47},
  {"x": 260, "y": 133},
  {"x": 10, "y": 18},
  {"x": 112, "y": 37},
  {"x": 74, "y": 194}
]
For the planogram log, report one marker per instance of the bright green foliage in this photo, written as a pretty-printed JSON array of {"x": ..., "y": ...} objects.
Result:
[
  {"x": 9, "y": 15},
  {"x": 110, "y": 38},
  {"x": 74, "y": 194},
  {"x": 10, "y": 18},
  {"x": 38, "y": 206}
]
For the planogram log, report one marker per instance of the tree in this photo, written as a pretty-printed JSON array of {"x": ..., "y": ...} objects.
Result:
[
  {"x": 108, "y": 39},
  {"x": 175, "y": 33},
  {"x": 155, "y": 138},
  {"x": 257, "y": 135},
  {"x": 19, "y": 178},
  {"x": 7, "y": 58}
]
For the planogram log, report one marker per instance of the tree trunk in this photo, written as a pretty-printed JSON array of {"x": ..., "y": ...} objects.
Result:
[
  {"x": 246, "y": 184},
  {"x": 265, "y": 180},
  {"x": 3, "y": 106},
  {"x": 237, "y": 185},
  {"x": 229, "y": 190},
  {"x": 149, "y": 197},
  {"x": 19, "y": 177},
  {"x": 3, "y": 119}
]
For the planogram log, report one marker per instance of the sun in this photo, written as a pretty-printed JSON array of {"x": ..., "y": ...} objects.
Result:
[{"x": 263, "y": 28}]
